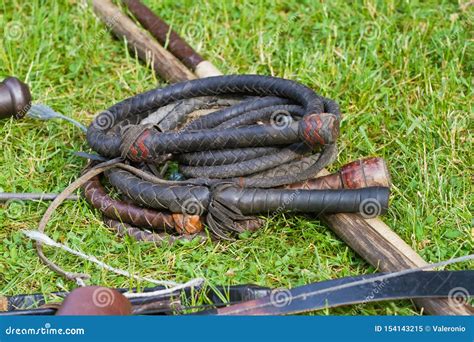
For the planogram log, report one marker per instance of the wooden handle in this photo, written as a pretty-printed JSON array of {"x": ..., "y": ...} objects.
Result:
[
  {"x": 162, "y": 32},
  {"x": 164, "y": 63}
]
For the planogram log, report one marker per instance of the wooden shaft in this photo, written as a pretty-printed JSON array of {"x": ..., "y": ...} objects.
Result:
[
  {"x": 381, "y": 247},
  {"x": 31, "y": 196},
  {"x": 164, "y": 34},
  {"x": 164, "y": 63},
  {"x": 373, "y": 240},
  {"x": 159, "y": 29}
]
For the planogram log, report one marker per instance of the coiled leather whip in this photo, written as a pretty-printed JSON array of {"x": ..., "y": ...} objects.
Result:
[{"x": 261, "y": 135}]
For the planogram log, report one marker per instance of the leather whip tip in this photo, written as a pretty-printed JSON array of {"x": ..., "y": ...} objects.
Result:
[
  {"x": 95, "y": 301},
  {"x": 15, "y": 98},
  {"x": 319, "y": 129},
  {"x": 365, "y": 172}
]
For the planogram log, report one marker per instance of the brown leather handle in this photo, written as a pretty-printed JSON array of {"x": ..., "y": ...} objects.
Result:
[{"x": 355, "y": 175}]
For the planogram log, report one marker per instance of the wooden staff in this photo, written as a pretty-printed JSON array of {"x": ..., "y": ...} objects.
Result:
[
  {"x": 372, "y": 239},
  {"x": 164, "y": 63},
  {"x": 169, "y": 38}
]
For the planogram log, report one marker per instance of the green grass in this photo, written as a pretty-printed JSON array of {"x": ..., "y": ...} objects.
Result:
[{"x": 400, "y": 70}]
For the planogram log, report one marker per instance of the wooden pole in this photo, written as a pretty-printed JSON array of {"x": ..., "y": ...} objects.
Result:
[
  {"x": 164, "y": 63},
  {"x": 381, "y": 247},
  {"x": 372, "y": 239},
  {"x": 169, "y": 38}
]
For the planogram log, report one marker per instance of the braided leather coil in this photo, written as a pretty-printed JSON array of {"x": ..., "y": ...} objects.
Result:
[{"x": 228, "y": 151}]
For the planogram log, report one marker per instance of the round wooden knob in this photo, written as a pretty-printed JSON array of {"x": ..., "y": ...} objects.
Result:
[
  {"x": 93, "y": 301},
  {"x": 15, "y": 98}
]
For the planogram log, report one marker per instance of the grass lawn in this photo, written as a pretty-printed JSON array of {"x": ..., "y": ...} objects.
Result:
[{"x": 400, "y": 70}]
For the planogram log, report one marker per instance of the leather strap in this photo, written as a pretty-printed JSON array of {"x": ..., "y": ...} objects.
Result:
[
  {"x": 457, "y": 286},
  {"x": 317, "y": 296}
]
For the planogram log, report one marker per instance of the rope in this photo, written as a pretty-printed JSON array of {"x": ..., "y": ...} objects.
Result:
[
  {"x": 43, "y": 112},
  {"x": 45, "y": 239}
]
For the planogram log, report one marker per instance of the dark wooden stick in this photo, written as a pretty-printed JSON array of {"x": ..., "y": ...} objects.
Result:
[
  {"x": 164, "y": 63},
  {"x": 169, "y": 38},
  {"x": 27, "y": 196},
  {"x": 373, "y": 240},
  {"x": 164, "y": 34}
]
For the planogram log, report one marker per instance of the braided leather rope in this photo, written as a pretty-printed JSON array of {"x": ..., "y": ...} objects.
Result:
[{"x": 263, "y": 133}]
